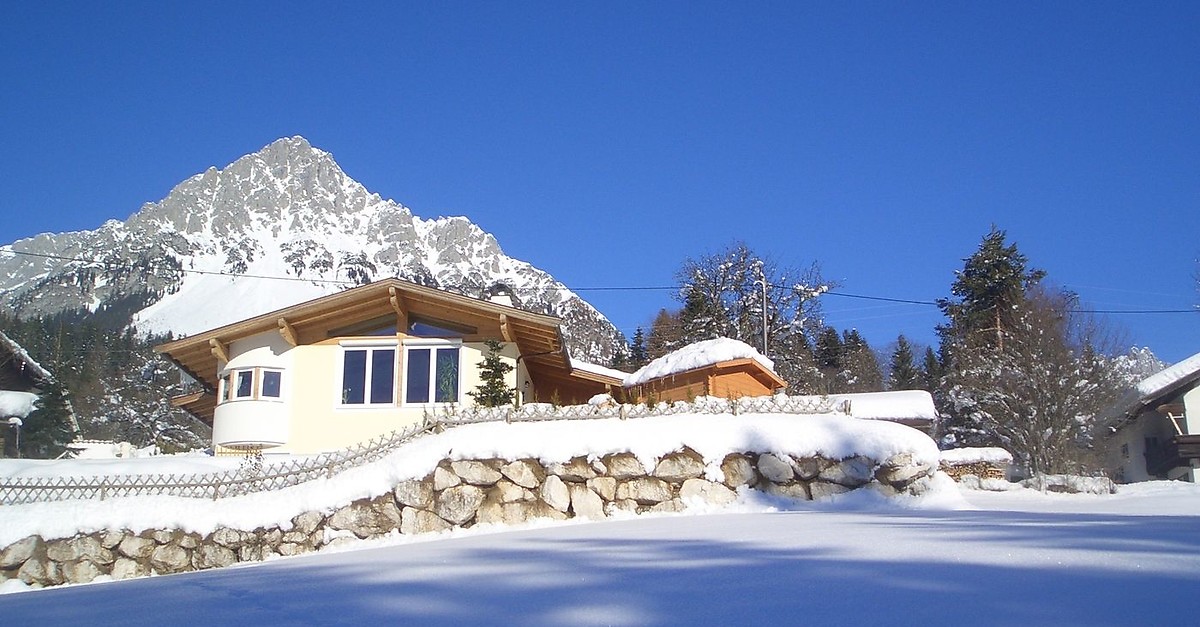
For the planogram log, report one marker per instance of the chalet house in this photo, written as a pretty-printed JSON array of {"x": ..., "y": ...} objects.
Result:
[
  {"x": 1155, "y": 428},
  {"x": 341, "y": 369},
  {"x": 21, "y": 379}
]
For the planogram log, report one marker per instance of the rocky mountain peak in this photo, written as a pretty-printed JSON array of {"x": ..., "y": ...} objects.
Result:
[{"x": 279, "y": 226}]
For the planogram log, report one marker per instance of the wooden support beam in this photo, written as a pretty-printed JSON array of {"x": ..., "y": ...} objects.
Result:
[
  {"x": 288, "y": 332},
  {"x": 219, "y": 350},
  {"x": 505, "y": 331},
  {"x": 397, "y": 302}
]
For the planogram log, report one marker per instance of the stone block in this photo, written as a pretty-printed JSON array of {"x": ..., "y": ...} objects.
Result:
[
  {"x": 526, "y": 473},
  {"x": 738, "y": 470},
  {"x": 774, "y": 469}
]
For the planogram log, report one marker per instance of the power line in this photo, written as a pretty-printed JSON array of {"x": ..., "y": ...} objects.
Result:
[{"x": 607, "y": 288}]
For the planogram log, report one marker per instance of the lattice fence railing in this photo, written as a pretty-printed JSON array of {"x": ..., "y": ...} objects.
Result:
[{"x": 254, "y": 477}]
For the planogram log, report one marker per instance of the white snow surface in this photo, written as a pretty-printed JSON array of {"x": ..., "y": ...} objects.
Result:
[
  {"x": 1012, "y": 558},
  {"x": 1160, "y": 381},
  {"x": 889, "y": 405},
  {"x": 18, "y": 404},
  {"x": 697, "y": 355},
  {"x": 647, "y": 438},
  {"x": 971, "y": 455}
]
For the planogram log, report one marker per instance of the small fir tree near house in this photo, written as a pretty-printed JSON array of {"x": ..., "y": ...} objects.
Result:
[{"x": 493, "y": 389}]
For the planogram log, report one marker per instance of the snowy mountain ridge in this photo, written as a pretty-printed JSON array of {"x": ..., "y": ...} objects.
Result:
[{"x": 273, "y": 228}]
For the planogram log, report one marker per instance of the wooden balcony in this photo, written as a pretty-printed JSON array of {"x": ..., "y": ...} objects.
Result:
[{"x": 1178, "y": 451}]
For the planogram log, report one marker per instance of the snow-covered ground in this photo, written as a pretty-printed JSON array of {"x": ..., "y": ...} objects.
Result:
[{"x": 977, "y": 558}]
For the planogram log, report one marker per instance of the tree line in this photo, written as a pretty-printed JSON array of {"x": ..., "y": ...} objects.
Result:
[{"x": 1017, "y": 364}]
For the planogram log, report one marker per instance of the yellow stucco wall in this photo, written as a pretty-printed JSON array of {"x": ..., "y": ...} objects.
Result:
[{"x": 317, "y": 420}]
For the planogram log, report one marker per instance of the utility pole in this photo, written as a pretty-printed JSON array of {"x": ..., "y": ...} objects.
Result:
[{"x": 763, "y": 282}]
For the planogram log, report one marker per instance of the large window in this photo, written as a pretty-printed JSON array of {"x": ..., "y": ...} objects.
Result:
[
  {"x": 368, "y": 376},
  {"x": 431, "y": 374}
]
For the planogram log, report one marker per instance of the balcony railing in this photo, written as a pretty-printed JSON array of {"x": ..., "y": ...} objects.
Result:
[{"x": 1178, "y": 451}]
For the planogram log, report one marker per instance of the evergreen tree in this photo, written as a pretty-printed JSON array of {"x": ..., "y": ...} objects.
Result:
[
  {"x": 665, "y": 335},
  {"x": 637, "y": 350},
  {"x": 48, "y": 429},
  {"x": 493, "y": 389},
  {"x": 904, "y": 374},
  {"x": 828, "y": 351},
  {"x": 987, "y": 291},
  {"x": 931, "y": 370},
  {"x": 860, "y": 367}
]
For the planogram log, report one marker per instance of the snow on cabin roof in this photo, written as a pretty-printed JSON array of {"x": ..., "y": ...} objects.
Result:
[
  {"x": 899, "y": 404},
  {"x": 698, "y": 355}
]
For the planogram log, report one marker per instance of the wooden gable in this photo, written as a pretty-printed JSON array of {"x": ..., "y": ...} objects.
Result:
[{"x": 537, "y": 336}]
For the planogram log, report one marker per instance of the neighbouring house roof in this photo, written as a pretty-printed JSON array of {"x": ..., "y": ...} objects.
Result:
[
  {"x": 601, "y": 374},
  {"x": 19, "y": 371},
  {"x": 700, "y": 355},
  {"x": 538, "y": 336},
  {"x": 1155, "y": 389}
]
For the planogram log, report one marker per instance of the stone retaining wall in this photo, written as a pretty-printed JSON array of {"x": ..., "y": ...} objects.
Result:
[{"x": 461, "y": 494}]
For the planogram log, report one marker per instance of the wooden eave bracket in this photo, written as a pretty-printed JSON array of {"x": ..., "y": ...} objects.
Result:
[
  {"x": 397, "y": 303},
  {"x": 219, "y": 350},
  {"x": 505, "y": 329},
  {"x": 288, "y": 332}
]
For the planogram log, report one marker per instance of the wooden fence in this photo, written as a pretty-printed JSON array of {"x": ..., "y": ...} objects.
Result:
[{"x": 252, "y": 476}]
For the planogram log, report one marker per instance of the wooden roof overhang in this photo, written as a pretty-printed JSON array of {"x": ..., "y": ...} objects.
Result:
[
  {"x": 538, "y": 336},
  {"x": 751, "y": 367}
]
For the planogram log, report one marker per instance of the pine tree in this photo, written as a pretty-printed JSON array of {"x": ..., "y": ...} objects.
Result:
[
  {"x": 987, "y": 291},
  {"x": 637, "y": 350},
  {"x": 860, "y": 367},
  {"x": 904, "y": 374},
  {"x": 47, "y": 430},
  {"x": 493, "y": 389},
  {"x": 931, "y": 370}
]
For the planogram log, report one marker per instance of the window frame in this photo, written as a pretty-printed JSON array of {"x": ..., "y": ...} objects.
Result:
[
  {"x": 369, "y": 347},
  {"x": 433, "y": 345},
  {"x": 229, "y": 384}
]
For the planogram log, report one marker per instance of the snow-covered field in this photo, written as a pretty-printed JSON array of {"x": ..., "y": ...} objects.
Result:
[{"x": 964, "y": 558}]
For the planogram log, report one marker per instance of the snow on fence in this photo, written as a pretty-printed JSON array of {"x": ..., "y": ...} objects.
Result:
[{"x": 253, "y": 477}]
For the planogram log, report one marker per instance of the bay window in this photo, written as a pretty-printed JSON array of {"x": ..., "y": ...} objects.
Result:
[{"x": 241, "y": 384}]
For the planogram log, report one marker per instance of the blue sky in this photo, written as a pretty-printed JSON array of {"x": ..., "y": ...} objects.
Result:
[{"x": 606, "y": 142}]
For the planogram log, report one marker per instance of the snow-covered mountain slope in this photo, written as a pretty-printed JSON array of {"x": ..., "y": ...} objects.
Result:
[{"x": 274, "y": 228}]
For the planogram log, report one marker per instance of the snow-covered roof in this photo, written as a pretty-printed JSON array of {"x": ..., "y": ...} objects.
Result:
[
  {"x": 18, "y": 404},
  {"x": 29, "y": 366},
  {"x": 598, "y": 370},
  {"x": 1155, "y": 388},
  {"x": 1165, "y": 379},
  {"x": 698, "y": 355},
  {"x": 977, "y": 454},
  {"x": 896, "y": 405}
]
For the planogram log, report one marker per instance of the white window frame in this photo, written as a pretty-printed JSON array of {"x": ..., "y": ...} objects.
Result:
[
  {"x": 227, "y": 384},
  {"x": 432, "y": 345},
  {"x": 370, "y": 346}
]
